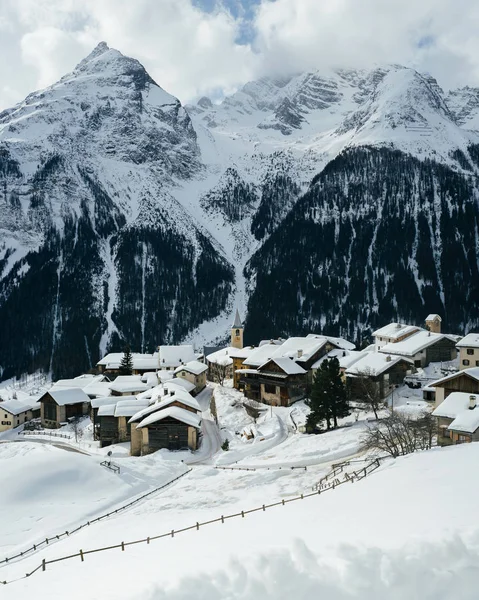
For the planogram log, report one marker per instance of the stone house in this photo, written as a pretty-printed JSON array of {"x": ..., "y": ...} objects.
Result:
[
  {"x": 280, "y": 382},
  {"x": 194, "y": 372},
  {"x": 457, "y": 419},
  {"x": 14, "y": 413},
  {"x": 468, "y": 351}
]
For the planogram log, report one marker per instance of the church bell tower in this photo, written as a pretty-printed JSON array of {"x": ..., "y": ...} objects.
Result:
[{"x": 237, "y": 332}]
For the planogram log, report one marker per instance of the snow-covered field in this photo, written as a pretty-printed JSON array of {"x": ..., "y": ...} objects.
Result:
[{"x": 407, "y": 530}]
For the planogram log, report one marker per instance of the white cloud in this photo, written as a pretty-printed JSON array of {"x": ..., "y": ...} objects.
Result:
[{"x": 190, "y": 52}]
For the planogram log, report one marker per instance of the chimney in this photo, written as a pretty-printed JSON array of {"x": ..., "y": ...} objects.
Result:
[
  {"x": 472, "y": 402},
  {"x": 300, "y": 353},
  {"x": 388, "y": 358}
]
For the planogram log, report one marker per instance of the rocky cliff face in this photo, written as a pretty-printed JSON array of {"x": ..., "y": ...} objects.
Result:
[{"x": 326, "y": 201}]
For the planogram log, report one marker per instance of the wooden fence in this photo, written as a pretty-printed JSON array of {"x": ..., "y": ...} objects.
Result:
[
  {"x": 54, "y": 538},
  {"x": 370, "y": 467}
]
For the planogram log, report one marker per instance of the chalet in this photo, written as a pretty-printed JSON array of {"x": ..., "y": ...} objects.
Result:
[
  {"x": 346, "y": 359},
  {"x": 141, "y": 363},
  {"x": 303, "y": 352},
  {"x": 57, "y": 406},
  {"x": 466, "y": 381},
  {"x": 393, "y": 333},
  {"x": 14, "y": 413},
  {"x": 457, "y": 419},
  {"x": 194, "y": 372},
  {"x": 385, "y": 370},
  {"x": 111, "y": 424},
  {"x": 171, "y": 423},
  {"x": 468, "y": 351},
  {"x": 423, "y": 347},
  {"x": 280, "y": 382}
]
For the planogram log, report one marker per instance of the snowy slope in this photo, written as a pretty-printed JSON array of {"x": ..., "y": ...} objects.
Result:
[{"x": 405, "y": 531}]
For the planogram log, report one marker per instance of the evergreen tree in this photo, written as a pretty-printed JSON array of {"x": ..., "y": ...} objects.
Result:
[
  {"x": 126, "y": 364},
  {"x": 328, "y": 401}
]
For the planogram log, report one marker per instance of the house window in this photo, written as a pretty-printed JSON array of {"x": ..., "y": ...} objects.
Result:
[
  {"x": 6, "y": 422},
  {"x": 446, "y": 433},
  {"x": 183, "y": 373},
  {"x": 465, "y": 362},
  {"x": 462, "y": 438},
  {"x": 270, "y": 389},
  {"x": 470, "y": 351},
  {"x": 6, "y": 416},
  {"x": 477, "y": 363},
  {"x": 237, "y": 333}
]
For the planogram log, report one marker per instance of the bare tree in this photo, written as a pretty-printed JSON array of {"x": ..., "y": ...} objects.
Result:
[
  {"x": 213, "y": 410},
  {"x": 368, "y": 391},
  {"x": 398, "y": 434},
  {"x": 77, "y": 430},
  {"x": 218, "y": 372}
]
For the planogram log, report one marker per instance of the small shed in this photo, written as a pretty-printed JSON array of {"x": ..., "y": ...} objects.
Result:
[
  {"x": 173, "y": 428},
  {"x": 194, "y": 372}
]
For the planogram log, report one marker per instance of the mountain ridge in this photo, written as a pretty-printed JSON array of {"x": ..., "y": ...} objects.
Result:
[{"x": 157, "y": 210}]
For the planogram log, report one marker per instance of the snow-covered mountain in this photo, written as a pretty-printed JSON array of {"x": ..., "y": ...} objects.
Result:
[{"x": 128, "y": 217}]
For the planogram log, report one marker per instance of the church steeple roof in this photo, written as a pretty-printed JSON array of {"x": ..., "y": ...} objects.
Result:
[{"x": 237, "y": 324}]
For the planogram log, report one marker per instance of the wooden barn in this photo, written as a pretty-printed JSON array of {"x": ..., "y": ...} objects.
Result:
[{"x": 60, "y": 405}]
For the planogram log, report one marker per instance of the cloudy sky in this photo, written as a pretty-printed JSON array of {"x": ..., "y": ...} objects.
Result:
[{"x": 198, "y": 47}]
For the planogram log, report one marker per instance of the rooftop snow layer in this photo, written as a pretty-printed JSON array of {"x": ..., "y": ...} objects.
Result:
[
  {"x": 393, "y": 331},
  {"x": 175, "y": 412},
  {"x": 473, "y": 373},
  {"x": 15, "y": 407},
  {"x": 374, "y": 363},
  {"x": 193, "y": 366},
  {"x": 414, "y": 343},
  {"x": 452, "y": 406},
  {"x": 287, "y": 365},
  {"x": 174, "y": 356},
  {"x": 471, "y": 340},
  {"x": 67, "y": 396}
]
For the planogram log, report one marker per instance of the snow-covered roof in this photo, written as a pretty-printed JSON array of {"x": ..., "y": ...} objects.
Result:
[
  {"x": 415, "y": 343},
  {"x": 287, "y": 365},
  {"x": 81, "y": 382},
  {"x": 346, "y": 357},
  {"x": 336, "y": 341},
  {"x": 127, "y": 408},
  {"x": 472, "y": 372},
  {"x": 240, "y": 352},
  {"x": 103, "y": 401},
  {"x": 466, "y": 421},
  {"x": 140, "y": 361},
  {"x": 394, "y": 331},
  {"x": 433, "y": 317},
  {"x": 174, "y": 356},
  {"x": 97, "y": 389},
  {"x": 193, "y": 366},
  {"x": 178, "y": 383},
  {"x": 452, "y": 406},
  {"x": 14, "y": 407},
  {"x": 165, "y": 375},
  {"x": 107, "y": 410},
  {"x": 175, "y": 412},
  {"x": 64, "y": 397},
  {"x": 260, "y": 355},
  {"x": 129, "y": 383},
  {"x": 165, "y": 401},
  {"x": 221, "y": 357},
  {"x": 150, "y": 378},
  {"x": 301, "y": 348},
  {"x": 471, "y": 340},
  {"x": 374, "y": 363}
]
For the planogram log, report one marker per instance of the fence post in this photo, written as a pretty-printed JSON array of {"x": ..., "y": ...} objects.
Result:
[
  {"x": 81, "y": 555},
  {"x": 44, "y": 565},
  {"x": 147, "y": 540},
  {"x": 197, "y": 526},
  {"x": 172, "y": 533},
  {"x": 123, "y": 546},
  {"x": 222, "y": 519},
  {"x": 46, "y": 540}
]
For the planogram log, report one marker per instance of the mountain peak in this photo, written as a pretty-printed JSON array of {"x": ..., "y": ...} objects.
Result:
[{"x": 99, "y": 49}]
